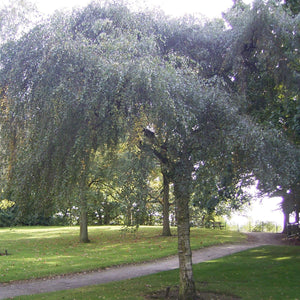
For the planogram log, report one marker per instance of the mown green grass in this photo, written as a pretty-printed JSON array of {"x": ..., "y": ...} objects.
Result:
[
  {"x": 264, "y": 273},
  {"x": 47, "y": 251},
  {"x": 269, "y": 272}
]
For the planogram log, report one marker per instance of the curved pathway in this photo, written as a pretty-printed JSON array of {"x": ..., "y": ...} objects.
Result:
[{"x": 8, "y": 290}]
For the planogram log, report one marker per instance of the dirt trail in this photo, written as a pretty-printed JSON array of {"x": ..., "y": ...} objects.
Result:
[{"x": 8, "y": 290}]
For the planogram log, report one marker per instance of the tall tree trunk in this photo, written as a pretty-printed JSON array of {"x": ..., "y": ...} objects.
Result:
[
  {"x": 83, "y": 217},
  {"x": 285, "y": 221},
  {"x": 182, "y": 181},
  {"x": 297, "y": 207},
  {"x": 297, "y": 214},
  {"x": 297, "y": 200},
  {"x": 286, "y": 210},
  {"x": 166, "y": 205}
]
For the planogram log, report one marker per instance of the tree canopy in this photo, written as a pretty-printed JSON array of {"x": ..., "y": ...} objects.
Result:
[{"x": 216, "y": 103}]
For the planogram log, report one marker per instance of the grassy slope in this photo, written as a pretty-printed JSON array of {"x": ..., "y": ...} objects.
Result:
[
  {"x": 270, "y": 272},
  {"x": 47, "y": 251}
]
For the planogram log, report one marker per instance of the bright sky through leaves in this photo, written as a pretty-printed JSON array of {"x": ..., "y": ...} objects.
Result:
[{"x": 209, "y": 8}]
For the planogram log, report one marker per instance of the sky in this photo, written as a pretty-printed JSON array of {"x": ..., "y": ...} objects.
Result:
[
  {"x": 261, "y": 210},
  {"x": 209, "y": 8}
]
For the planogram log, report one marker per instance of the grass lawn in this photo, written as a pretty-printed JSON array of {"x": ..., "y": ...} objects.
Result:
[
  {"x": 269, "y": 272},
  {"x": 47, "y": 251}
]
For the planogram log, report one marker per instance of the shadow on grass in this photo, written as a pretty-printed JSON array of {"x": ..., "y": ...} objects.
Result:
[{"x": 269, "y": 272}]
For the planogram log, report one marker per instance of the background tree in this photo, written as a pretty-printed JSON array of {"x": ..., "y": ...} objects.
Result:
[
  {"x": 220, "y": 188},
  {"x": 157, "y": 145},
  {"x": 127, "y": 181},
  {"x": 256, "y": 54},
  {"x": 267, "y": 72}
]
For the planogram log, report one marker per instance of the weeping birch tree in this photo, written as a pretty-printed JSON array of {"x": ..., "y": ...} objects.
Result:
[
  {"x": 72, "y": 95},
  {"x": 79, "y": 82}
]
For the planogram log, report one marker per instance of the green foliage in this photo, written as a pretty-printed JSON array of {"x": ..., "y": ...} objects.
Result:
[
  {"x": 119, "y": 186},
  {"x": 7, "y": 213},
  {"x": 265, "y": 63},
  {"x": 103, "y": 71},
  {"x": 263, "y": 227},
  {"x": 5, "y": 204},
  {"x": 76, "y": 105},
  {"x": 293, "y": 5},
  {"x": 265, "y": 69}
]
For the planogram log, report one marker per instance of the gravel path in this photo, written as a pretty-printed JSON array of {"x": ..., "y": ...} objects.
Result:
[{"x": 8, "y": 290}]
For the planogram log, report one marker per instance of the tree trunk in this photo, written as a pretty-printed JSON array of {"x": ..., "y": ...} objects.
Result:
[
  {"x": 182, "y": 181},
  {"x": 285, "y": 221},
  {"x": 297, "y": 213},
  {"x": 106, "y": 211},
  {"x": 166, "y": 206},
  {"x": 83, "y": 218}
]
